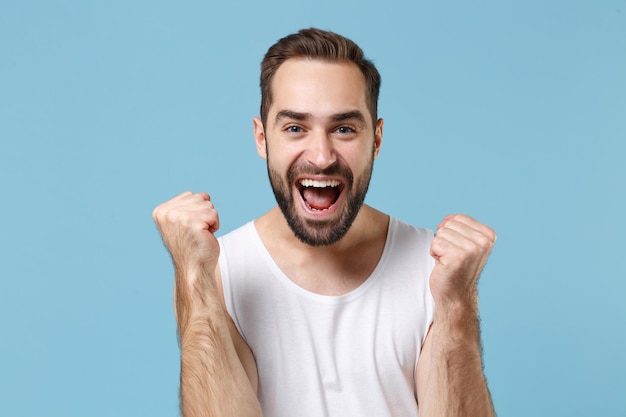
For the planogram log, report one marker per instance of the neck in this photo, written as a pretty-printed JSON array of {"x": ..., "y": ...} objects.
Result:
[
  {"x": 329, "y": 270},
  {"x": 369, "y": 224}
]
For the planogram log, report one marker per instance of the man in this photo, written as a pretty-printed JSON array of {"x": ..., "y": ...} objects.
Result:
[{"x": 324, "y": 306}]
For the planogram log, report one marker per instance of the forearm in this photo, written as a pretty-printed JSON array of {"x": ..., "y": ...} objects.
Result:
[
  {"x": 455, "y": 384},
  {"x": 213, "y": 381}
]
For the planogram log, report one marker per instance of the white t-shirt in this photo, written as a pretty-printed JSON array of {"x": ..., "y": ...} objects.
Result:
[{"x": 332, "y": 356}]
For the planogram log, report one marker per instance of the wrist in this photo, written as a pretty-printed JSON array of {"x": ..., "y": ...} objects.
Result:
[
  {"x": 458, "y": 320},
  {"x": 196, "y": 297},
  {"x": 195, "y": 279},
  {"x": 456, "y": 308}
]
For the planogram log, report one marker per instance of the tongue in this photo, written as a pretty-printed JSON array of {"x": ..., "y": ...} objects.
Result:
[{"x": 319, "y": 198}]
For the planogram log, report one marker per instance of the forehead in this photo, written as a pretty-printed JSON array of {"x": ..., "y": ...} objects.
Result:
[{"x": 318, "y": 87}]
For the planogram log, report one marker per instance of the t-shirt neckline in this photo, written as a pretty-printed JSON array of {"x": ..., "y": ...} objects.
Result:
[{"x": 279, "y": 275}]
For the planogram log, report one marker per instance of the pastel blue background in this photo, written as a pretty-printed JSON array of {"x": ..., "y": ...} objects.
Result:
[{"x": 513, "y": 112}]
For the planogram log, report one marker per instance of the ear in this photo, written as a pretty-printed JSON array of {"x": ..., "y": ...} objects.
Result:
[
  {"x": 259, "y": 137},
  {"x": 378, "y": 136}
]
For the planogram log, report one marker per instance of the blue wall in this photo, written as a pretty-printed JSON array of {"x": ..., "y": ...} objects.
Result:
[{"x": 513, "y": 112}]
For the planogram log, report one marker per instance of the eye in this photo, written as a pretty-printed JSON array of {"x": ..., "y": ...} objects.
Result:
[
  {"x": 344, "y": 130},
  {"x": 293, "y": 129}
]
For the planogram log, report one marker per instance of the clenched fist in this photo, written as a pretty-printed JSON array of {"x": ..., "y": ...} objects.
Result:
[
  {"x": 460, "y": 247},
  {"x": 187, "y": 224}
]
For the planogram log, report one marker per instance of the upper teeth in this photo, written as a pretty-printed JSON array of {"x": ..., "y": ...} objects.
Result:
[{"x": 319, "y": 184}]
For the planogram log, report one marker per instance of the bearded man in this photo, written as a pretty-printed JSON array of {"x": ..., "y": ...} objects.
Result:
[{"x": 325, "y": 306}]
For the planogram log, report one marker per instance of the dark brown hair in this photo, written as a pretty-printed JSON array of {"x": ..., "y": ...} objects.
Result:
[{"x": 317, "y": 44}]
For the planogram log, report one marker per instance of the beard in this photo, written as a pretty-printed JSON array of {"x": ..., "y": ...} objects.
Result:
[{"x": 320, "y": 232}]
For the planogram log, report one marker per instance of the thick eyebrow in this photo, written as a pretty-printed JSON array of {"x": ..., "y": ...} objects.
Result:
[
  {"x": 351, "y": 115},
  {"x": 290, "y": 114},
  {"x": 339, "y": 117}
]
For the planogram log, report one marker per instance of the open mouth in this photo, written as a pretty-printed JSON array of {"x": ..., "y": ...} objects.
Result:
[{"x": 319, "y": 195}]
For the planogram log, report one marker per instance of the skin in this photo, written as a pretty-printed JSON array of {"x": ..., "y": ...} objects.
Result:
[
  {"x": 216, "y": 377},
  {"x": 319, "y": 119},
  {"x": 322, "y": 92}
]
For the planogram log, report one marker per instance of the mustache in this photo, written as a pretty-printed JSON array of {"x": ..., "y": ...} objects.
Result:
[{"x": 337, "y": 169}]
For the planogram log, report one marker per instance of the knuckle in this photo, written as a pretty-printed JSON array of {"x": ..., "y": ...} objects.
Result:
[
  {"x": 483, "y": 241},
  {"x": 172, "y": 216},
  {"x": 460, "y": 217},
  {"x": 475, "y": 250}
]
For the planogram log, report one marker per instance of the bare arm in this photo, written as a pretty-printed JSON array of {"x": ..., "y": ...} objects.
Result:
[
  {"x": 450, "y": 379},
  {"x": 213, "y": 379}
]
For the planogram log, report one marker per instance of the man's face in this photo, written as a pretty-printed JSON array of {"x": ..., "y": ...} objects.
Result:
[{"x": 320, "y": 146}]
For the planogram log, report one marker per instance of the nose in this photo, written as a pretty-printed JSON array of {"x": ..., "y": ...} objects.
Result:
[{"x": 321, "y": 152}]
